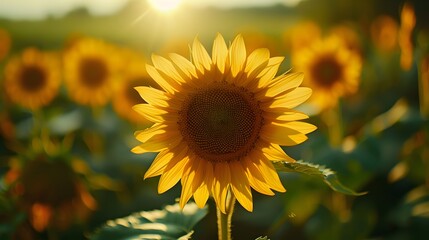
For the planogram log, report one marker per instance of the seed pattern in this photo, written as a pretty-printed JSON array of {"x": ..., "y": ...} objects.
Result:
[{"x": 221, "y": 123}]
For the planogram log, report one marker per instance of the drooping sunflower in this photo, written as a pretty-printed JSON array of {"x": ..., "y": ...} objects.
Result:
[
  {"x": 33, "y": 78},
  {"x": 90, "y": 69},
  {"x": 219, "y": 121},
  {"x": 331, "y": 68},
  {"x": 126, "y": 96}
]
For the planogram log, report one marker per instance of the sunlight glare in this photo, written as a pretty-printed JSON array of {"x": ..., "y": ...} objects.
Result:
[{"x": 165, "y": 5}]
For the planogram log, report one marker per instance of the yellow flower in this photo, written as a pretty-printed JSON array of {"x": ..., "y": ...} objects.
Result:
[
  {"x": 32, "y": 79},
  {"x": 126, "y": 96},
  {"x": 219, "y": 121},
  {"x": 331, "y": 69},
  {"x": 90, "y": 68},
  {"x": 408, "y": 21}
]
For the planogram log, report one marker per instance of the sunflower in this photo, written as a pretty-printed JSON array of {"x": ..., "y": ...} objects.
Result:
[
  {"x": 50, "y": 191},
  {"x": 126, "y": 96},
  {"x": 331, "y": 68},
  {"x": 33, "y": 78},
  {"x": 219, "y": 121},
  {"x": 384, "y": 32},
  {"x": 90, "y": 67}
]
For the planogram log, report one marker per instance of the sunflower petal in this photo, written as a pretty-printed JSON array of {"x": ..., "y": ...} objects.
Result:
[
  {"x": 266, "y": 75},
  {"x": 148, "y": 133},
  {"x": 270, "y": 174},
  {"x": 187, "y": 183},
  {"x": 150, "y": 112},
  {"x": 165, "y": 84},
  {"x": 256, "y": 180},
  {"x": 281, "y": 135},
  {"x": 173, "y": 172},
  {"x": 203, "y": 192},
  {"x": 290, "y": 99},
  {"x": 283, "y": 84},
  {"x": 221, "y": 184},
  {"x": 152, "y": 96},
  {"x": 219, "y": 52},
  {"x": 185, "y": 66},
  {"x": 275, "y": 152},
  {"x": 240, "y": 186},
  {"x": 164, "y": 65},
  {"x": 200, "y": 56},
  {"x": 159, "y": 163},
  {"x": 237, "y": 55}
]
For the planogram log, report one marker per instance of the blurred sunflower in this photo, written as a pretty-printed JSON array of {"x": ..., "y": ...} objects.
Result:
[
  {"x": 5, "y": 43},
  {"x": 219, "y": 122},
  {"x": 126, "y": 96},
  {"x": 90, "y": 68},
  {"x": 384, "y": 33},
  {"x": 49, "y": 190},
  {"x": 302, "y": 35},
  {"x": 33, "y": 78},
  {"x": 331, "y": 68}
]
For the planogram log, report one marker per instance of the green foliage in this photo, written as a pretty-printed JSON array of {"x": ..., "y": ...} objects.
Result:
[
  {"x": 172, "y": 222},
  {"x": 325, "y": 174}
]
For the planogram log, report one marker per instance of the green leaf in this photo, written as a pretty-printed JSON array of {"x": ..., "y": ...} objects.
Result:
[
  {"x": 262, "y": 238},
  {"x": 169, "y": 223},
  {"x": 326, "y": 174}
]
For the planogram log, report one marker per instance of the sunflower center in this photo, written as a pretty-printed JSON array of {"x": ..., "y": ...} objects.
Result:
[
  {"x": 33, "y": 78},
  {"x": 221, "y": 123},
  {"x": 327, "y": 71},
  {"x": 93, "y": 72}
]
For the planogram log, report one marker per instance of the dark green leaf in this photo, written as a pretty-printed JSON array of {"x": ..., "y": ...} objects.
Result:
[
  {"x": 168, "y": 223},
  {"x": 262, "y": 238},
  {"x": 326, "y": 174}
]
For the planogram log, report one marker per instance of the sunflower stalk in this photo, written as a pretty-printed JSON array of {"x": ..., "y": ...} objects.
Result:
[
  {"x": 224, "y": 219},
  {"x": 334, "y": 121}
]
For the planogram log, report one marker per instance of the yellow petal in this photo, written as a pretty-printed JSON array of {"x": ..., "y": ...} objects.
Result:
[
  {"x": 200, "y": 56},
  {"x": 301, "y": 127},
  {"x": 237, "y": 55},
  {"x": 283, "y": 84},
  {"x": 220, "y": 185},
  {"x": 256, "y": 180},
  {"x": 275, "y": 152},
  {"x": 148, "y": 133},
  {"x": 166, "y": 84},
  {"x": 150, "y": 112},
  {"x": 185, "y": 66},
  {"x": 256, "y": 63},
  {"x": 202, "y": 193},
  {"x": 173, "y": 172},
  {"x": 281, "y": 135},
  {"x": 266, "y": 75},
  {"x": 187, "y": 183},
  {"x": 164, "y": 65},
  {"x": 159, "y": 163},
  {"x": 152, "y": 96},
  {"x": 270, "y": 174},
  {"x": 289, "y": 115},
  {"x": 289, "y": 100},
  {"x": 240, "y": 186},
  {"x": 219, "y": 52},
  {"x": 157, "y": 143}
]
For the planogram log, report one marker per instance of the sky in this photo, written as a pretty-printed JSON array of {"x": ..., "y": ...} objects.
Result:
[{"x": 39, "y": 9}]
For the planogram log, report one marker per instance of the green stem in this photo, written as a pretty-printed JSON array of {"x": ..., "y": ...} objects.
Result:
[
  {"x": 224, "y": 219},
  {"x": 334, "y": 122}
]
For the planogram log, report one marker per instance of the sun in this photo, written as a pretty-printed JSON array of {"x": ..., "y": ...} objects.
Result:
[{"x": 164, "y": 5}]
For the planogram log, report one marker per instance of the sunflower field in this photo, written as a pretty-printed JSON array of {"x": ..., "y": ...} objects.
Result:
[{"x": 169, "y": 119}]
